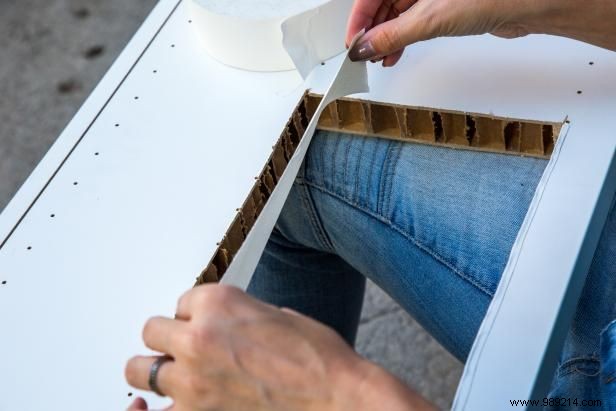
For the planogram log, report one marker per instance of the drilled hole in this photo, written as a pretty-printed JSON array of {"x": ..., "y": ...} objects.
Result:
[
  {"x": 136, "y": 97},
  {"x": 117, "y": 125},
  {"x": 29, "y": 247},
  {"x": 189, "y": 21},
  {"x": 97, "y": 153},
  {"x": 173, "y": 45},
  {"x": 130, "y": 394},
  {"x": 154, "y": 71},
  {"x": 591, "y": 63},
  {"x": 52, "y": 216},
  {"x": 579, "y": 91},
  {"x": 3, "y": 282},
  {"x": 322, "y": 63},
  {"x": 75, "y": 183}
]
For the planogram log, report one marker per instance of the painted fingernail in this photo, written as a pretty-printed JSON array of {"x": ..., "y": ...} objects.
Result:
[{"x": 362, "y": 52}]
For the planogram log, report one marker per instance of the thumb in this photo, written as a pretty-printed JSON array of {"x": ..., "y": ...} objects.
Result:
[{"x": 389, "y": 38}]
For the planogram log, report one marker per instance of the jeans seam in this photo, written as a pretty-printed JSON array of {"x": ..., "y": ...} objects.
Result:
[
  {"x": 381, "y": 200},
  {"x": 315, "y": 222},
  {"x": 346, "y": 163},
  {"x": 370, "y": 175},
  {"x": 333, "y": 159},
  {"x": 390, "y": 177},
  {"x": 570, "y": 366},
  {"x": 417, "y": 243},
  {"x": 356, "y": 190}
]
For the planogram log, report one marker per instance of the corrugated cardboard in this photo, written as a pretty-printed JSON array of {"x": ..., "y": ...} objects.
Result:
[{"x": 434, "y": 126}]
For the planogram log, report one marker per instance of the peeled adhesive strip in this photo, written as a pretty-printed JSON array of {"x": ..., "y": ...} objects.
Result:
[
  {"x": 351, "y": 78},
  {"x": 272, "y": 35}
]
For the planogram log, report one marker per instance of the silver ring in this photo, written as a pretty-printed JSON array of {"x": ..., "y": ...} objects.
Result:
[{"x": 152, "y": 380}]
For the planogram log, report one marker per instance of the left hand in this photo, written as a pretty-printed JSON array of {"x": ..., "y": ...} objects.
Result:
[{"x": 232, "y": 352}]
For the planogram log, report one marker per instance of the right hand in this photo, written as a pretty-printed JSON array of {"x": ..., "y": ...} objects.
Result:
[{"x": 390, "y": 27}]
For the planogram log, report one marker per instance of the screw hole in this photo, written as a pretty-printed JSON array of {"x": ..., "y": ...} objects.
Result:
[
  {"x": 154, "y": 71},
  {"x": 52, "y": 216},
  {"x": 189, "y": 21},
  {"x": 97, "y": 153},
  {"x": 117, "y": 124},
  {"x": 322, "y": 63},
  {"x": 591, "y": 63},
  {"x": 130, "y": 394},
  {"x": 136, "y": 97},
  {"x": 579, "y": 91},
  {"x": 173, "y": 45},
  {"x": 75, "y": 183},
  {"x": 567, "y": 121},
  {"x": 3, "y": 282},
  {"x": 29, "y": 247}
]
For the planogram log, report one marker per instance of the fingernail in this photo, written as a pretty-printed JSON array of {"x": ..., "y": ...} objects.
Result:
[{"x": 362, "y": 51}]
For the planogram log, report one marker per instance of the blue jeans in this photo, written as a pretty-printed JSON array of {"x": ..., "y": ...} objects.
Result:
[{"x": 433, "y": 227}]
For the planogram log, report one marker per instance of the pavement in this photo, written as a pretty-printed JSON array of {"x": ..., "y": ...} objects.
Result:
[{"x": 53, "y": 53}]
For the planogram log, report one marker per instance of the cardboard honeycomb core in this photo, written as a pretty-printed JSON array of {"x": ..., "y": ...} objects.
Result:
[
  {"x": 423, "y": 125},
  {"x": 442, "y": 127}
]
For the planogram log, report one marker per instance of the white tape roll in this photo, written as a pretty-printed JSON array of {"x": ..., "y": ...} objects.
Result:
[{"x": 248, "y": 34}]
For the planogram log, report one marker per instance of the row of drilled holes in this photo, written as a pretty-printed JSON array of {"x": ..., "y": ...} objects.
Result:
[{"x": 75, "y": 183}]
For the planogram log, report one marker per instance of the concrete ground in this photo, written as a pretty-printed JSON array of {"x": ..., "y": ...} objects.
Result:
[{"x": 53, "y": 53}]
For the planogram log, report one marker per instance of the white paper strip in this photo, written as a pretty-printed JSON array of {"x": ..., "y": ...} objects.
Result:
[
  {"x": 316, "y": 35},
  {"x": 257, "y": 43},
  {"x": 351, "y": 78}
]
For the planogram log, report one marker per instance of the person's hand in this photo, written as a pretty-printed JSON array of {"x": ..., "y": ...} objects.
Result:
[
  {"x": 231, "y": 352},
  {"x": 393, "y": 24}
]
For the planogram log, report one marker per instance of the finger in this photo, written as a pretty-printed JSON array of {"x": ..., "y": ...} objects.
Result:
[
  {"x": 183, "y": 309},
  {"x": 189, "y": 303},
  {"x": 382, "y": 13},
  {"x": 161, "y": 334},
  {"x": 392, "y": 9},
  {"x": 392, "y": 59},
  {"x": 362, "y": 14},
  {"x": 137, "y": 374},
  {"x": 390, "y": 37},
  {"x": 219, "y": 301},
  {"x": 138, "y": 405}
]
